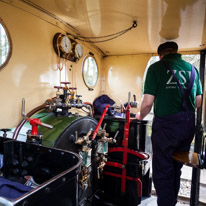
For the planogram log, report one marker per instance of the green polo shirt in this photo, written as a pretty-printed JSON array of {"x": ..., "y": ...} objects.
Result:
[{"x": 160, "y": 83}]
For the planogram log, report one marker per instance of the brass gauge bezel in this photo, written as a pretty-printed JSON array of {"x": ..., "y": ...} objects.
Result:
[
  {"x": 65, "y": 44},
  {"x": 67, "y": 48}
]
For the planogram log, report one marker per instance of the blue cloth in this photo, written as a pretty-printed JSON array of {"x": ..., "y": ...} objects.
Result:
[
  {"x": 12, "y": 190},
  {"x": 100, "y": 104}
]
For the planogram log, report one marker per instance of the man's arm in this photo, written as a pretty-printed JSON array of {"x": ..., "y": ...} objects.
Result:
[
  {"x": 198, "y": 100},
  {"x": 146, "y": 106}
]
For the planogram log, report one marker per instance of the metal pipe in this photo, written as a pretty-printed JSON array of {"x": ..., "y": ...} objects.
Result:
[
  {"x": 91, "y": 108},
  {"x": 19, "y": 126}
]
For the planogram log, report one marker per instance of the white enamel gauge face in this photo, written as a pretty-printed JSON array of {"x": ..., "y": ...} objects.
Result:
[
  {"x": 65, "y": 44},
  {"x": 78, "y": 51}
]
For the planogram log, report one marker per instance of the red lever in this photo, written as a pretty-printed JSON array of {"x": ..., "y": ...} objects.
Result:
[
  {"x": 34, "y": 123},
  {"x": 100, "y": 122},
  {"x": 125, "y": 147},
  {"x": 126, "y": 126}
]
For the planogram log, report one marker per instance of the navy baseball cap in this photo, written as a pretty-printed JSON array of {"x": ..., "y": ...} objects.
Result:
[{"x": 166, "y": 46}]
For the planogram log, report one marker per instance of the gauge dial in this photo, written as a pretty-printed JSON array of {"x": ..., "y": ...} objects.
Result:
[
  {"x": 65, "y": 44},
  {"x": 78, "y": 51}
]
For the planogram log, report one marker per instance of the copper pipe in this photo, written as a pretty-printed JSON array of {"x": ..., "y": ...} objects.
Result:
[{"x": 19, "y": 126}]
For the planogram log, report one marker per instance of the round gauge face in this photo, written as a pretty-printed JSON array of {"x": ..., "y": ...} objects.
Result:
[
  {"x": 65, "y": 44},
  {"x": 78, "y": 51}
]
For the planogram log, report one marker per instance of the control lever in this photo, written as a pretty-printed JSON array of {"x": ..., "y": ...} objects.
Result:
[
  {"x": 34, "y": 123},
  {"x": 23, "y": 109},
  {"x": 33, "y": 135},
  {"x": 115, "y": 136},
  {"x": 129, "y": 96},
  {"x": 104, "y": 126},
  {"x": 135, "y": 103},
  {"x": 134, "y": 97},
  {"x": 100, "y": 122}
]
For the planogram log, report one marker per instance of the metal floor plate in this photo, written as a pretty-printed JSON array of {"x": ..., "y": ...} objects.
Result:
[{"x": 152, "y": 201}]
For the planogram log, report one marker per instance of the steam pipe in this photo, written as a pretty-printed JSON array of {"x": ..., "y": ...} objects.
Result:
[
  {"x": 19, "y": 126},
  {"x": 91, "y": 108}
]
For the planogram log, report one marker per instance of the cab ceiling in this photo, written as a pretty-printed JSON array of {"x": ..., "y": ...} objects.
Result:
[{"x": 183, "y": 21}]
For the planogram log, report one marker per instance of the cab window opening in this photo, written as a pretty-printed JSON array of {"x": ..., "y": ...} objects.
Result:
[
  {"x": 90, "y": 71},
  {"x": 5, "y": 45}
]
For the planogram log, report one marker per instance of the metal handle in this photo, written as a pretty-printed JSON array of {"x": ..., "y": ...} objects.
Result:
[
  {"x": 117, "y": 132},
  {"x": 129, "y": 96},
  {"x": 46, "y": 125},
  {"x": 23, "y": 108},
  {"x": 134, "y": 97}
]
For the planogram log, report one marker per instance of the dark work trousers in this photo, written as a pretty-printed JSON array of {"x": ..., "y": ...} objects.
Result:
[{"x": 170, "y": 134}]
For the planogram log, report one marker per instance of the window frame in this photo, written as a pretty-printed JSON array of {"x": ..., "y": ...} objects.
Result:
[
  {"x": 2, "y": 66},
  {"x": 83, "y": 74}
]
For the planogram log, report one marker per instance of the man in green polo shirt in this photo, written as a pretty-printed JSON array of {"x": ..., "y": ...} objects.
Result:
[{"x": 175, "y": 100}]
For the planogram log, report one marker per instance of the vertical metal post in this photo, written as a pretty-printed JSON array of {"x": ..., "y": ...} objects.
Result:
[{"x": 194, "y": 196}]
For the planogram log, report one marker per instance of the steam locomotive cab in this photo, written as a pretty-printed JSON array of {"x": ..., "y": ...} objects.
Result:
[
  {"x": 102, "y": 143},
  {"x": 72, "y": 75}
]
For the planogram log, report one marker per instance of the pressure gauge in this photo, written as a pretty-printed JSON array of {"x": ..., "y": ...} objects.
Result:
[
  {"x": 78, "y": 51},
  {"x": 65, "y": 44},
  {"x": 67, "y": 48}
]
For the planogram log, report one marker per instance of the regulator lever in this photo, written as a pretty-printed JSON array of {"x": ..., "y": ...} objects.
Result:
[{"x": 100, "y": 122}]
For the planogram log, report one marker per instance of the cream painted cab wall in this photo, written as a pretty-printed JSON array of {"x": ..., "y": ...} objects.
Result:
[
  {"x": 124, "y": 74},
  {"x": 32, "y": 70}
]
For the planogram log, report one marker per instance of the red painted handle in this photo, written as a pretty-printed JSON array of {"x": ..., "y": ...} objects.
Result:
[
  {"x": 100, "y": 122},
  {"x": 34, "y": 123}
]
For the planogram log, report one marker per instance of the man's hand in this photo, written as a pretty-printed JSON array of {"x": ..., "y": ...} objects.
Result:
[
  {"x": 137, "y": 116},
  {"x": 145, "y": 106}
]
